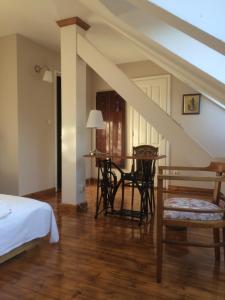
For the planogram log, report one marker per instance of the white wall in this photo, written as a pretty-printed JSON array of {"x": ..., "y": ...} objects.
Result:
[
  {"x": 36, "y": 109},
  {"x": 8, "y": 116},
  {"x": 200, "y": 127},
  {"x": 27, "y": 117},
  {"x": 206, "y": 128}
]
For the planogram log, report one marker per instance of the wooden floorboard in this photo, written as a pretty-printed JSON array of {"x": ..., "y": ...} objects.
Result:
[{"x": 110, "y": 258}]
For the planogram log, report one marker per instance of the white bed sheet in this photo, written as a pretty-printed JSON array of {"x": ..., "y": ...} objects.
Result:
[{"x": 29, "y": 219}]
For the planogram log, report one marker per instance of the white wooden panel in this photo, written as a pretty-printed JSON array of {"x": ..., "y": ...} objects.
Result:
[
  {"x": 136, "y": 129},
  {"x": 139, "y": 130},
  {"x": 142, "y": 131},
  {"x": 154, "y": 137},
  {"x": 149, "y": 133},
  {"x": 129, "y": 118},
  {"x": 149, "y": 92},
  {"x": 156, "y": 94}
]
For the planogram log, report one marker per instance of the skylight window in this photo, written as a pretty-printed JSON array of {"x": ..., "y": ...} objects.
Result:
[
  {"x": 179, "y": 43},
  {"x": 192, "y": 31},
  {"x": 207, "y": 15}
]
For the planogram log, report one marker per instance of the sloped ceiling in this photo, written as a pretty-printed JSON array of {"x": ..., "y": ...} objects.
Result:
[
  {"x": 212, "y": 38},
  {"x": 153, "y": 48},
  {"x": 36, "y": 20},
  {"x": 115, "y": 38}
]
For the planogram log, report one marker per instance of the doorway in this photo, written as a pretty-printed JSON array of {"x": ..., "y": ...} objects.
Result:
[
  {"x": 58, "y": 134},
  {"x": 141, "y": 132}
]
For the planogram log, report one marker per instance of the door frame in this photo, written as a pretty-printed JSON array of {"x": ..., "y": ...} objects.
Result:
[{"x": 56, "y": 74}]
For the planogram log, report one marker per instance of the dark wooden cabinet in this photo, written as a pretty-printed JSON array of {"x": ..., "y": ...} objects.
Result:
[{"x": 112, "y": 139}]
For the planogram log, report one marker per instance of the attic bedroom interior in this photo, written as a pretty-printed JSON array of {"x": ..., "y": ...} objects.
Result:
[{"x": 112, "y": 134}]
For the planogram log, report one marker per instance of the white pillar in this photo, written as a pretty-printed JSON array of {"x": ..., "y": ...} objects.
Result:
[{"x": 73, "y": 74}]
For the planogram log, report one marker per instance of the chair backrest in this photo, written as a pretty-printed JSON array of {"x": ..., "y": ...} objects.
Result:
[
  {"x": 219, "y": 168},
  {"x": 145, "y": 169}
]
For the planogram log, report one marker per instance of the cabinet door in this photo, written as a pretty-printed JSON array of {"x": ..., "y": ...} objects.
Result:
[{"x": 111, "y": 139}]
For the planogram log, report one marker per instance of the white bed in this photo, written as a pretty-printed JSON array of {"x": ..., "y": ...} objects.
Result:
[{"x": 27, "y": 220}]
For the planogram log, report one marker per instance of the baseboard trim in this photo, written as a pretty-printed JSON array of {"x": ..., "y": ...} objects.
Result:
[
  {"x": 71, "y": 209},
  {"x": 90, "y": 181},
  {"x": 189, "y": 190},
  {"x": 41, "y": 193}
]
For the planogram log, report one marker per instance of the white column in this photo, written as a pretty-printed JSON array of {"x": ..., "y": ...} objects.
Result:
[{"x": 73, "y": 74}]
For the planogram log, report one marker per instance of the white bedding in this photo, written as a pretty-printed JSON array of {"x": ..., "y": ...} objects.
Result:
[
  {"x": 29, "y": 219},
  {"x": 4, "y": 209}
]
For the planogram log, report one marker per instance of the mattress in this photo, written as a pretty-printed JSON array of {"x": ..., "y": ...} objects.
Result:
[{"x": 28, "y": 219}]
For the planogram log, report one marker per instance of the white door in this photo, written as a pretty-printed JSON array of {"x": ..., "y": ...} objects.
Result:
[{"x": 139, "y": 131}]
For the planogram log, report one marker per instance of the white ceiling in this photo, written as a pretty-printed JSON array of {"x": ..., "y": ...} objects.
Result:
[{"x": 36, "y": 19}]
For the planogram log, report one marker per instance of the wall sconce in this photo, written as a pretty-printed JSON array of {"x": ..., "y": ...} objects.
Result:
[{"x": 47, "y": 75}]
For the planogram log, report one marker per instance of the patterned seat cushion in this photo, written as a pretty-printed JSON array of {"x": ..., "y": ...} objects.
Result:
[{"x": 193, "y": 204}]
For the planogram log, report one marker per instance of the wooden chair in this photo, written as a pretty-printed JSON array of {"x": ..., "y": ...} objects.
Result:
[
  {"x": 189, "y": 212},
  {"x": 141, "y": 177},
  {"x": 144, "y": 171}
]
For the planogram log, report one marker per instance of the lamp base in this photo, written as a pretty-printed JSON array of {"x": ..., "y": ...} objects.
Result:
[{"x": 95, "y": 152}]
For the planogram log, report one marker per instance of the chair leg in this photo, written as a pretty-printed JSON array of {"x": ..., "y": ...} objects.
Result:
[
  {"x": 141, "y": 209},
  {"x": 153, "y": 196},
  {"x": 148, "y": 201},
  {"x": 98, "y": 200},
  {"x": 132, "y": 197},
  {"x": 159, "y": 251},
  {"x": 122, "y": 202},
  {"x": 152, "y": 200},
  {"x": 149, "y": 205},
  {"x": 216, "y": 236},
  {"x": 159, "y": 232},
  {"x": 224, "y": 243}
]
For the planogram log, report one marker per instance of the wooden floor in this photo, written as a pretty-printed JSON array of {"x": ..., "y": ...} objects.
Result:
[{"x": 109, "y": 258}]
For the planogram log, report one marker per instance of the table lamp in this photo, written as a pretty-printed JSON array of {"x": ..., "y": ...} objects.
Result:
[{"x": 95, "y": 121}]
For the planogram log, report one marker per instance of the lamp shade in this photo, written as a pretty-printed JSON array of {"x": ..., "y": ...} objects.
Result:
[
  {"x": 47, "y": 76},
  {"x": 95, "y": 120}
]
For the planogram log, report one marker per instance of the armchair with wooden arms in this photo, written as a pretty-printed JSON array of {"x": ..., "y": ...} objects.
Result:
[{"x": 191, "y": 212}]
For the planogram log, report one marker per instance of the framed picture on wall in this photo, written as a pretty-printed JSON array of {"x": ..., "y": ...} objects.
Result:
[{"x": 191, "y": 104}]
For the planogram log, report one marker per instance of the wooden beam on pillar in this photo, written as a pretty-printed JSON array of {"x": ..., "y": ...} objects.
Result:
[{"x": 73, "y": 21}]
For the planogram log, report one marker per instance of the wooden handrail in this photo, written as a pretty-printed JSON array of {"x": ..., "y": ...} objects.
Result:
[
  {"x": 213, "y": 167},
  {"x": 191, "y": 178}
]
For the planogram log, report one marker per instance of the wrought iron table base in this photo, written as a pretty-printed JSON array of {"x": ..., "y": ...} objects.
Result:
[{"x": 107, "y": 187}]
